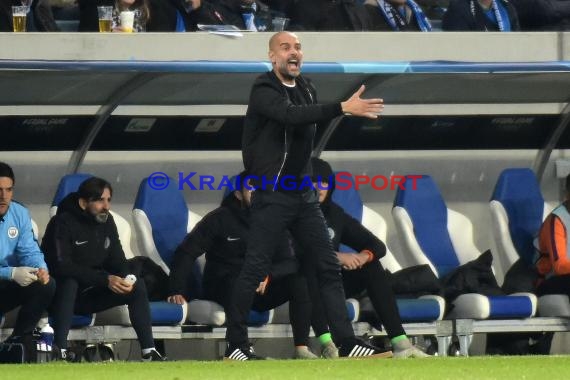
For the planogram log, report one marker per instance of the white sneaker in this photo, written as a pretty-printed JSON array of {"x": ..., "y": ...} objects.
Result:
[
  {"x": 410, "y": 352},
  {"x": 329, "y": 351},
  {"x": 303, "y": 352}
]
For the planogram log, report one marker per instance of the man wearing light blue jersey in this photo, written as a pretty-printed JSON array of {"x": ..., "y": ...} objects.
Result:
[{"x": 24, "y": 278}]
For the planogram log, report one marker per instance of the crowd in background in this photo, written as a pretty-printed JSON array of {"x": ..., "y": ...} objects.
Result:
[{"x": 303, "y": 15}]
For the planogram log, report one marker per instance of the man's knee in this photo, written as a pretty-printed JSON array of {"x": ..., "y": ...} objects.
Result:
[
  {"x": 67, "y": 283},
  {"x": 139, "y": 290},
  {"x": 47, "y": 290}
]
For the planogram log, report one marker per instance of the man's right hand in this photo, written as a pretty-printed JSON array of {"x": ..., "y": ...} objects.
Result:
[
  {"x": 119, "y": 285},
  {"x": 350, "y": 261},
  {"x": 24, "y": 276},
  {"x": 177, "y": 298},
  {"x": 357, "y": 106}
]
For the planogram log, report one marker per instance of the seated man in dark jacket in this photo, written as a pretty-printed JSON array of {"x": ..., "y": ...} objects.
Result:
[
  {"x": 481, "y": 15},
  {"x": 329, "y": 15},
  {"x": 222, "y": 236},
  {"x": 362, "y": 270},
  {"x": 84, "y": 254},
  {"x": 181, "y": 15},
  {"x": 250, "y": 15}
]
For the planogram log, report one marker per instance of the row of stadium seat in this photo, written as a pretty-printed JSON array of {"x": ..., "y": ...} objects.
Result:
[{"x": 431, "y": 234}]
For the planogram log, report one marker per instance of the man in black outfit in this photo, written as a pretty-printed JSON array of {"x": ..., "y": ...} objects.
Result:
[
  {"x": 361, "y": 270},
  {"x": 276, "y": 147},
  {"x": 84, "y": 254},
  {"x": 222, "y": 236}
]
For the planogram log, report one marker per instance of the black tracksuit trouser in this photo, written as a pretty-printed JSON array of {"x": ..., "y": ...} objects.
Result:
[
  {"x": 372, "y": 278},
  {"x": 71, "y": 299},
  {"x": 34, "y": 299},
  {"x": 291, "y": 288},
  {"x": 272, "y": 213}
]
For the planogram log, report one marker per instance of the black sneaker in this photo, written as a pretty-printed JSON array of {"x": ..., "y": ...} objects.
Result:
[
  {"x": 356, "y": 348},
  {"x": 241, "y": 353},
  {"x": 90, "y": 353},
  {"x": 106, "y": 352},
  {"x": 63, "y": 355},
  {"x": 154, "y": 356}
]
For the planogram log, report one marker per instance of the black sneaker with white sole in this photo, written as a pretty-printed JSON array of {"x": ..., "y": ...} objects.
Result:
[
  {"x": 154, "y": 356},
  {"x": 356, "y": 348},
  {"x": 242, "y": 353}
]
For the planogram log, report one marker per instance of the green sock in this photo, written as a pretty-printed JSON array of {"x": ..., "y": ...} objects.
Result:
[
  {"x": 400, "y": 343},
  {"x": 325, "y": 338},
  {"x": 398, "y": 338}
]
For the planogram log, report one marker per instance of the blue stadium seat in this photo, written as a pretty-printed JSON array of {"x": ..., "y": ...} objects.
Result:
[
  {"x": 442, "y": 238},
  {"x": 517, "y": 212},
  {"x": 423, "y": 309}
]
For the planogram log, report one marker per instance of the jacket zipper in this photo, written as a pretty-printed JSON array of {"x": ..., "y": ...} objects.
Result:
[{"x": 284, "y": 159}]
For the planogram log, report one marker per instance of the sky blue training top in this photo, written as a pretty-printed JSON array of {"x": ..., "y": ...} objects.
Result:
[{"x": 18, "y": 247}]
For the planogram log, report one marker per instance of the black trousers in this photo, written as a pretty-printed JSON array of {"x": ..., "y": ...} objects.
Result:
[
  {"x": 555, "y": 285},
  {"x": 292, "y": 289},
  {"x": 272, "y": 213},
  {"x": 70, "y": 298},
  {"x": 372, "y": 278},
  {"x": 34, "y": 299}
]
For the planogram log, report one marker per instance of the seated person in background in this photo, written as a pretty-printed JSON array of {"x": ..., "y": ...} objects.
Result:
[
  {"x": 481, "y": 15},
  {"x": 39, "y": 19},
  {"x": 397, "y": 15},
  {"x": 24, "y": 278},
  {"x": 250, "y": 15},
  {"x": 181, "y": 15},
  {"x": 329, "y": 15},
  {"x": 281, "y": 7},
  {"x": 222, "y": 236},
  {"x": 362, "y": 270},
  {"x": 89, "y": 17},
  {"x": 84, "y": 254},
  {"x": 543, "y": 14},
  {"x": 553, "y": 264}
]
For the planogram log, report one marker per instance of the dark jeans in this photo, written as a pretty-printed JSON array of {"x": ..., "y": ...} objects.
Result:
[
  {"x": 292, "y": 289},
  {"x": 71, "y": 298},
  {"x": 372, "y": 278},
  {"x": 34, "y": 299},
  {"x": 272, "y": 213}
]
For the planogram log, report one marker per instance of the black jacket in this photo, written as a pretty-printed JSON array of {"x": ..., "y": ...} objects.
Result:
[
  {"x": 272, "y": 119},
  {"x": 231, "y": 13},
  {"x": 459, "y": 17},
  {"x": 163, "y": 16},
  {"x": 222, "y": 236},
  {"x": 330, "y": 15},
  {"x": 344, "y": 229},
  {"x": 77, "y": 246}
]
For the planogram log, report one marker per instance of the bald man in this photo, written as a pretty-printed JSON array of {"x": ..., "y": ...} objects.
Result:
[{"x": 277, "y": 142}]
